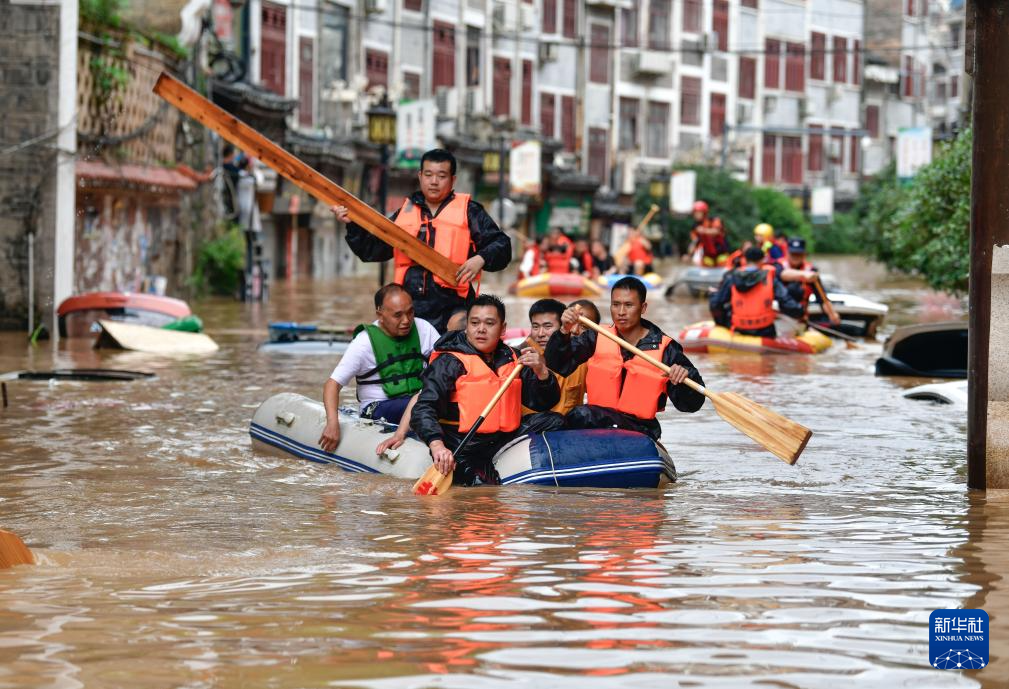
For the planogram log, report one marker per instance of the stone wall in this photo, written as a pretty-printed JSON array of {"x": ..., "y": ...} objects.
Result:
[{"x": 29, "y": 68}]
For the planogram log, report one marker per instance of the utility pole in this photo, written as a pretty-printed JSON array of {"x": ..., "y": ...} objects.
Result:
[{"x": 987, "y": 55}]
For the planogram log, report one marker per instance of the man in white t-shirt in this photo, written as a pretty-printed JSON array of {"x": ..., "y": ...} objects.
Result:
[{"x": 386, "y": 359}]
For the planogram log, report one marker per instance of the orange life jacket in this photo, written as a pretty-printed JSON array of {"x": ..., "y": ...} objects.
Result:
[
  {"x": 451, "y": 236},
  {"x": 807, "y": 289},
  {"x": 560, "y": 261},
  {"x": 754, "y": 310},
  {"x": 474, "y": 389},
  {"x": 632, "y": 387},
  {"x": 638, "y": 252}
]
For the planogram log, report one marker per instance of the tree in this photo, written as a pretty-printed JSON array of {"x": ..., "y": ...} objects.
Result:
[{"x": 781, "y": 213}]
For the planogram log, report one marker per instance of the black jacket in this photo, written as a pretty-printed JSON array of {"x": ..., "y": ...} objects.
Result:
[
  {"x": 744, "y": 279},
  {"x": 566, "y": 353},
  {"x": 433, "y": 302},
  {"x": 439, "y": 383}
]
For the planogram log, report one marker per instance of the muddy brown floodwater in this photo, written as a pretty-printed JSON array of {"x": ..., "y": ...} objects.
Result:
[{"x": 173, "y": 556}]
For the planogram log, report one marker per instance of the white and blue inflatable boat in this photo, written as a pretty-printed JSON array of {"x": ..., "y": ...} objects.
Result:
[{"x": 290, "y": 424}]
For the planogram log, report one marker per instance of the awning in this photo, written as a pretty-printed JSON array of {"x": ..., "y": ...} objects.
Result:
[{"x": 96, "y": 173}]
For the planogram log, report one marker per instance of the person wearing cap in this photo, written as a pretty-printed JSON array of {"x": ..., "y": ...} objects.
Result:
[
  {"x": 745, "y": 300},
  {"x": 707, "y": 239},
  {"x": 797, "y": 273}
]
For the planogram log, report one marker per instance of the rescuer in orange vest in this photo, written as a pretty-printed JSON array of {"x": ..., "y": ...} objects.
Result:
[
  {"x": 544, "y": 321},
  {"x": 797, "y": 273},
  {"x": 453, "y": 224},
  {"x": 623, "y": 390},
  {"x": 745, "y": 300},
  {"x": 467, "y": 367},
  {"x": 558, "y": 252}
]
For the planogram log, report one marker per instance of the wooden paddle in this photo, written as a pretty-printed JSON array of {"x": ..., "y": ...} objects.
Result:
[
  {"x": 648, "y": 218},
  {"x": 325, "y": 190},
  {"x": 828, "y": 308},
  {"x": 433, "y": 482},
  {"x": 781, "y": 436},
  {"x": 13, "y": 551}
]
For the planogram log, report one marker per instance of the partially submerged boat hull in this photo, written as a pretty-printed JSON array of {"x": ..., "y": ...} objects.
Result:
[
  {"x": 929, "y": 350},
  {"x": 649, "y": 280},
  {"x": 708, "y": 337},
  {"x": 143, "y": 338},
  {"x": 289, "y": 424},
  {"x": 556, "y": 285}
]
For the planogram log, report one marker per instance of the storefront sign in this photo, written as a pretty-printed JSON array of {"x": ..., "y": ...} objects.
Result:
[{"x": 525, "y": 168}]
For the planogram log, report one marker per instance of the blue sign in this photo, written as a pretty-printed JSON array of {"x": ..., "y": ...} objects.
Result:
[{"x": 958, "y": 639}]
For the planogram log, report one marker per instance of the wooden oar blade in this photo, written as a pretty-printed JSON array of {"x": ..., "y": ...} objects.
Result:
[
  {"x": 433, "y": 482},
  {"x": 13, "y": 551},
  {"x": 781, "y": 436}
]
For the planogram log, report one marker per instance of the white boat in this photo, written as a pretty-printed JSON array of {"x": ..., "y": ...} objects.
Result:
[
  {"x": 306, "y": 338},
  {"x": 331, "y": 346},
  {"x": 953, "y": 393},
  {"x": 700, "y": 281},
  {"x": 289, "y": 424},
  {"x": 860, "y": 317}
]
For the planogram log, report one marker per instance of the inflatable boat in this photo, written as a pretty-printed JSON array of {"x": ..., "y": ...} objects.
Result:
[
  {"x": 708, "y": 337},
  {"x": 556, "y": 285},
  {"x": 650, "y": 280},
  {"x": 306, "y": 338},
  {"x": 289, "y": 424},
  {"x": 79, "y": 315}
]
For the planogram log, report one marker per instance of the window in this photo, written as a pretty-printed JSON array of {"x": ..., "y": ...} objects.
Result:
[
  {"x": 856, "y": 62},
  {"x": 570, "y": 18},
  {"x": 940, "y": 91},
  {"x": 376, "y": 67},
  {"x": 657, "y": 131},
  {"x": 658, "y": 24},
  {"x": 769, "y": 159},
  {"x": 747, "y": 77},
  {"x": 690, "y": 100},
  {"x": 333, "y": 47},
  {"x": 568, "y": 122},
  {"x": 795, "y": 67},
  {"x": 720, "y": 23},
  {"x": 629, "y": 23},
  {"x": 306, "y": 74},
  {"x": 411, "y": 85},
  {"x": 412, "y": 5},
  {"x": 443, "y": 55},
  {"x": 910, "y": 7},
  {"x": 628, "y": 123},
  {"x": 599, "y": 54},
  {"x": 837, "y": 151},
  {"x": 549, "y": 16},
  {"x": 954, "y": 35},
  {"x": 908, "y": 76},
  {"x": 791, "y": 159},
  {"x": 772, "y": 66},
  {"x": 472, "y": 56},
  {"x": 547, "y": 104},
  {"x": 748, "y": 3},
  {"x": 840, "y": 59},
  {"x": 814, "y": 159},
  {"x": 692, "y": 15},
  {"x": 597, "y": 154},
  {"x": 273, "y": 47},
  {"x": 817, "y": 57},
  {"x": 717, "y": 121},
  {"x": 855, "y": 146},
  {"x": 954, "y": 86},
  {"x": 527, "y": 92},
  {"x": 502, "y": 86},
  {"x": 872, "y": 120}
]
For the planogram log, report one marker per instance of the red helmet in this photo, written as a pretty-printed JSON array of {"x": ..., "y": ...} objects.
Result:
[{"x": 700, "y": 206}]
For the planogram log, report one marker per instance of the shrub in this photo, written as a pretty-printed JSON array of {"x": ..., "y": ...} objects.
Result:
[
  {"x": 780, "y": 211},
  {"x": 220, "y": 263}
]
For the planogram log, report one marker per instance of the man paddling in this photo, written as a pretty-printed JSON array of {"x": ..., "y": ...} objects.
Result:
[
  {"x": 453, "y": 224},
  {"x": 467, "y": 368},
  {"x": 623, "y": 391},
  {"x": 545, "y": 320},
  {"x": 745, "y": 300},
  {"x": 386, "y": 358}
]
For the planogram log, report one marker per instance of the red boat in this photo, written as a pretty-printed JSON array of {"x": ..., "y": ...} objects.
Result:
[{"x": 79, "y": 314}]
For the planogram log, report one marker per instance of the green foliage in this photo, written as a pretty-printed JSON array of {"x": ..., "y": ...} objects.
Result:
[
  {"x": 780, "y": 211},
  {"x": 728, "y": 198},
  {"x": 843, "y": 236},
  {"x": 219, "y": 264},
  {"x": 924, "y": 229},
  {"x": 101, "y": 12},
  {"x": 169, "y": 42}
]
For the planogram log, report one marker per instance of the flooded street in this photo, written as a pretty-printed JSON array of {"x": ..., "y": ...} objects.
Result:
[{"x": 172, "y": 555}]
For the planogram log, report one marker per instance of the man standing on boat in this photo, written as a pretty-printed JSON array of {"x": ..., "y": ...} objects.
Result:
[
  {"x": 745, "y": 300},
  {"x": 623, "y": 391},
  {"x": 467, "y": 369},
  {"x": 453, "y": 224},
  {"x": 386, "y": 358},
  {"x": 797, "y": 273}
]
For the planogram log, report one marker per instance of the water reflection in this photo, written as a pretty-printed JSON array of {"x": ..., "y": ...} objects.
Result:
[{"x": 171, "y": 555}]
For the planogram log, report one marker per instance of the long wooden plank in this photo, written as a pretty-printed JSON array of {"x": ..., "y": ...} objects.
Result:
[
  {"x": 289, "y": 166},
  {"x": 144, "y": 338}
]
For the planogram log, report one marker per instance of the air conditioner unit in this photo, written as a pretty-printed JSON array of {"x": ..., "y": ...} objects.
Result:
[
  {"x": 503, "y": 18},
  {"x": 836, "y": 148},
  {"x": 628, "y": 174},
  {"x": 744, "y": 112},
  {"x": 528, "y": 17},
  {"x": 770, "y": 104},
  {"x": 709, "y": 42},
  {"x": 566, "y": 161},
  {"x": 549, "y": 52},
  {"x": 807, "y": 108},
  {"x": 651, "y": 63},
  {"x": 446, "y": 100},
  {"x": 374, "y": 6},
  {"x": 474, "y": 101}
]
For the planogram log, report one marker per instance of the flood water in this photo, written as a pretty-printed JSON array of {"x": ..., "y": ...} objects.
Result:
[{"x": 171, "y": 555}]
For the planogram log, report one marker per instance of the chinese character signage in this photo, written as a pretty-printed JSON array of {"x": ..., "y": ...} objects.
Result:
[
  {"x": 524, "y": 168},
  {"x": 415, "y": 131},
  {"x": 682, "y": 190},
  {"x": 958, "y": 639},
  {"x": 914, "y": 150}
]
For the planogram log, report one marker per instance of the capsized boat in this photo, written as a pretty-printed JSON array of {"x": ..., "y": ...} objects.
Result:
[
  {"x": 79, "y": 315},
  {"x": 144, "y": 338},
  {"x": 556, "y": 285},
  {"x": 953, "y": 393},
  {"x": 650, "y": 280},
  {"x": 929, "y": 350},
  {"x": 708, "y": 337},
  {"x": 289, "y": 424}
]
